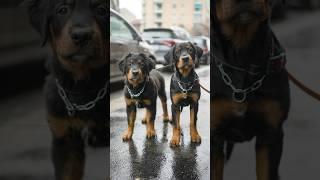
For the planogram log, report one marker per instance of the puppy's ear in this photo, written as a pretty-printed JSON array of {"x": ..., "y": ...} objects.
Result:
[
  {"x": 198, "y": 50},
  {"x": 169, "y": 56},
  {"x": 150, "y": 63},
  {"x": 122, "y": 63},
  {"x": 38, "y": 11}
]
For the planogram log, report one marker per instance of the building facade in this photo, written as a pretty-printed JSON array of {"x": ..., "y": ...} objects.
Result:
[{"x": 193, "y": 15}]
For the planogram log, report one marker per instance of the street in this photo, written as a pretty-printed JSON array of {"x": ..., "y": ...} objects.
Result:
[
  {"x": 154, "y": 159},
  {"x": 301, "y": 38}
]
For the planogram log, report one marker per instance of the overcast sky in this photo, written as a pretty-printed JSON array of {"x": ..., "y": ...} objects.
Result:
[{"x": 135, "y": 6}]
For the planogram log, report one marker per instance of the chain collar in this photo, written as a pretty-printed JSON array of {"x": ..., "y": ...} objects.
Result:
[
  {"x": 238, "y": 95},
  {"x": 186, "y": 90},
  {"x": 137, "y": 94},
  {"x": 73, "y": 107}
]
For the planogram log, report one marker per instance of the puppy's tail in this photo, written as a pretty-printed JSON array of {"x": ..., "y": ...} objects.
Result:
[
  {"x": 303, "y": 87},
  {"x": 229, "y": 150}
]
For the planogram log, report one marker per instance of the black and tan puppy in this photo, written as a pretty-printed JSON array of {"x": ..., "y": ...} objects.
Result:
[
  {"x": 184, "y": 88},
  {"x": 76, "y": 89},
  {"x": 142, "y": 86},
  {"x": 250, "y": 85}
]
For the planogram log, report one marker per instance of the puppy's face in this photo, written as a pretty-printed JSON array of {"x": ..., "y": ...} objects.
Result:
[
  {"x": 185, "y": 55},
  {"x": 76, "y": 30},
  {"x": 136, "y": 67},
  {"x": 240, "y": 19}
]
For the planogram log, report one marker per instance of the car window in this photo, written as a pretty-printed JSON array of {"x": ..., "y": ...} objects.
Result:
[
  {"x": 200, "y": 42},
  {"x": 119, "y": 29},
  {"x": 157, "y": 34}
]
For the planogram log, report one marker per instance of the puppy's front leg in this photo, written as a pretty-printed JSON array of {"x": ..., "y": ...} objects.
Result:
[
  {"x": 218, "y": 158},
  {"x": 67, "y": 150},
  {"x": 131, "y": 118},
  {"x": 268, "y": 156},
  {"x": 150, "y": 117},
  {"x": 175, "y": 140},
  {"x": 195, "y": 137}
]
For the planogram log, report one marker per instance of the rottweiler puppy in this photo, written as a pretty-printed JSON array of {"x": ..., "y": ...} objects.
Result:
[
  {"x": 142, "y": 86},
  {"x": 76, "y": 89},
  {"x": 184, "y": 88},
  {"x": 250, "y": 85}
]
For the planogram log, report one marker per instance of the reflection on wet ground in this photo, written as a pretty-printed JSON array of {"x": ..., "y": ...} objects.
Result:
[{"x": 153, "y": 158}]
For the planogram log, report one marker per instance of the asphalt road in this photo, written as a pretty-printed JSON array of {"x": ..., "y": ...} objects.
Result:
[
  {"x": 154, "y": 159},
  {"x": 301, "y": 38}
]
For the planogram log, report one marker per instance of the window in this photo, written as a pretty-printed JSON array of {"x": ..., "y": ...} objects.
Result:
[
  {"x": 119, "y": 29},
  {"x": 158, "y": 15},
  {"x": 158, "y": 24},
  {"x": 197, "y": 6},
  {"x": 158, "y": 6}
]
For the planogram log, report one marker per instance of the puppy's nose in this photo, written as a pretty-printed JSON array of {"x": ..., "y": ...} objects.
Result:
[
  {"x": 81, "y": 36},
  {"x": 135, "y": 72},
  {"x": 185, "y": 58}
]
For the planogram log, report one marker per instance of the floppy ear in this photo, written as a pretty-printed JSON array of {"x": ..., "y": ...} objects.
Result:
[
  {"x": 122, "y": 63},
  {"x": 198, "y": 50},
  {"x": 39, "y": 18},
  {"x": 150, "y": 63},
  {"x": 169, "y": 56}
]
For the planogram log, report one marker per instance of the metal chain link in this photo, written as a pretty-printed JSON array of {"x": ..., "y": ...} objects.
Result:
[
  {"x": 236, "y": 91},
  {"x": 72, "y": 107},
  {"x": 139, "y": 93},
  {"x": 182, "y": 88}
]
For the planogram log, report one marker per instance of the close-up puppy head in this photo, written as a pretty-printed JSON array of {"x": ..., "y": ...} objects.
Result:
[
  {"x": 183, "y": 57},
  {"x": 240, "y": 19},
  {"x": 76, "y": 30},
  {"x": 136, "y": 67}
]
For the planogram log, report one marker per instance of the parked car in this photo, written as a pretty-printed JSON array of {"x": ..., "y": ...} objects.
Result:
[
  {"x": 310, "y": 4},
  {"x": 163, "y": 39},
  {"x": 124, "y": 38},
  {"x": 204, "y": 43}
]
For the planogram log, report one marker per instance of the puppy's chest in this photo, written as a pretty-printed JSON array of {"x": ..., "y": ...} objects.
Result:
[
  {"x": 240, "y": 123},
  {"x": 142, "y": 102}
]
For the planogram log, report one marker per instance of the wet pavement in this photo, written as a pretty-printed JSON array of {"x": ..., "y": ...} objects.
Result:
[
  {"x": 301, "y": 38},
  {"x": 154, "y": 159}
]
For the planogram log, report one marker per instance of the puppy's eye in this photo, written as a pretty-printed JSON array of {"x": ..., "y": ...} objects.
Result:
[
  {"x": 63, "y": 10},
  {"x": 190, "y": 50},
  {"x": 101, "y": 10}
]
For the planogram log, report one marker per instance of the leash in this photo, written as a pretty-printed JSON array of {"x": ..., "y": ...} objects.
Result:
[
  {"x": 195, "y": 80},
  {"x": 303, "y": 87},
  {"x": 205, "y": 89}
]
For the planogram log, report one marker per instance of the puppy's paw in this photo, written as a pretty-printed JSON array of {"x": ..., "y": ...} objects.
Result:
[
  {"x": 175, "y": 141},
  {"x": 151, "y": 134},
  {"x": 127, "y": 136},
  {"x": 195, "y": 138}
]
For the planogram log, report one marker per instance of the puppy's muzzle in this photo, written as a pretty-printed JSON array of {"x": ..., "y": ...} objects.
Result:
[
  {"x": 185, "y": 59},
  {"x": 81, "y": 35}
]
